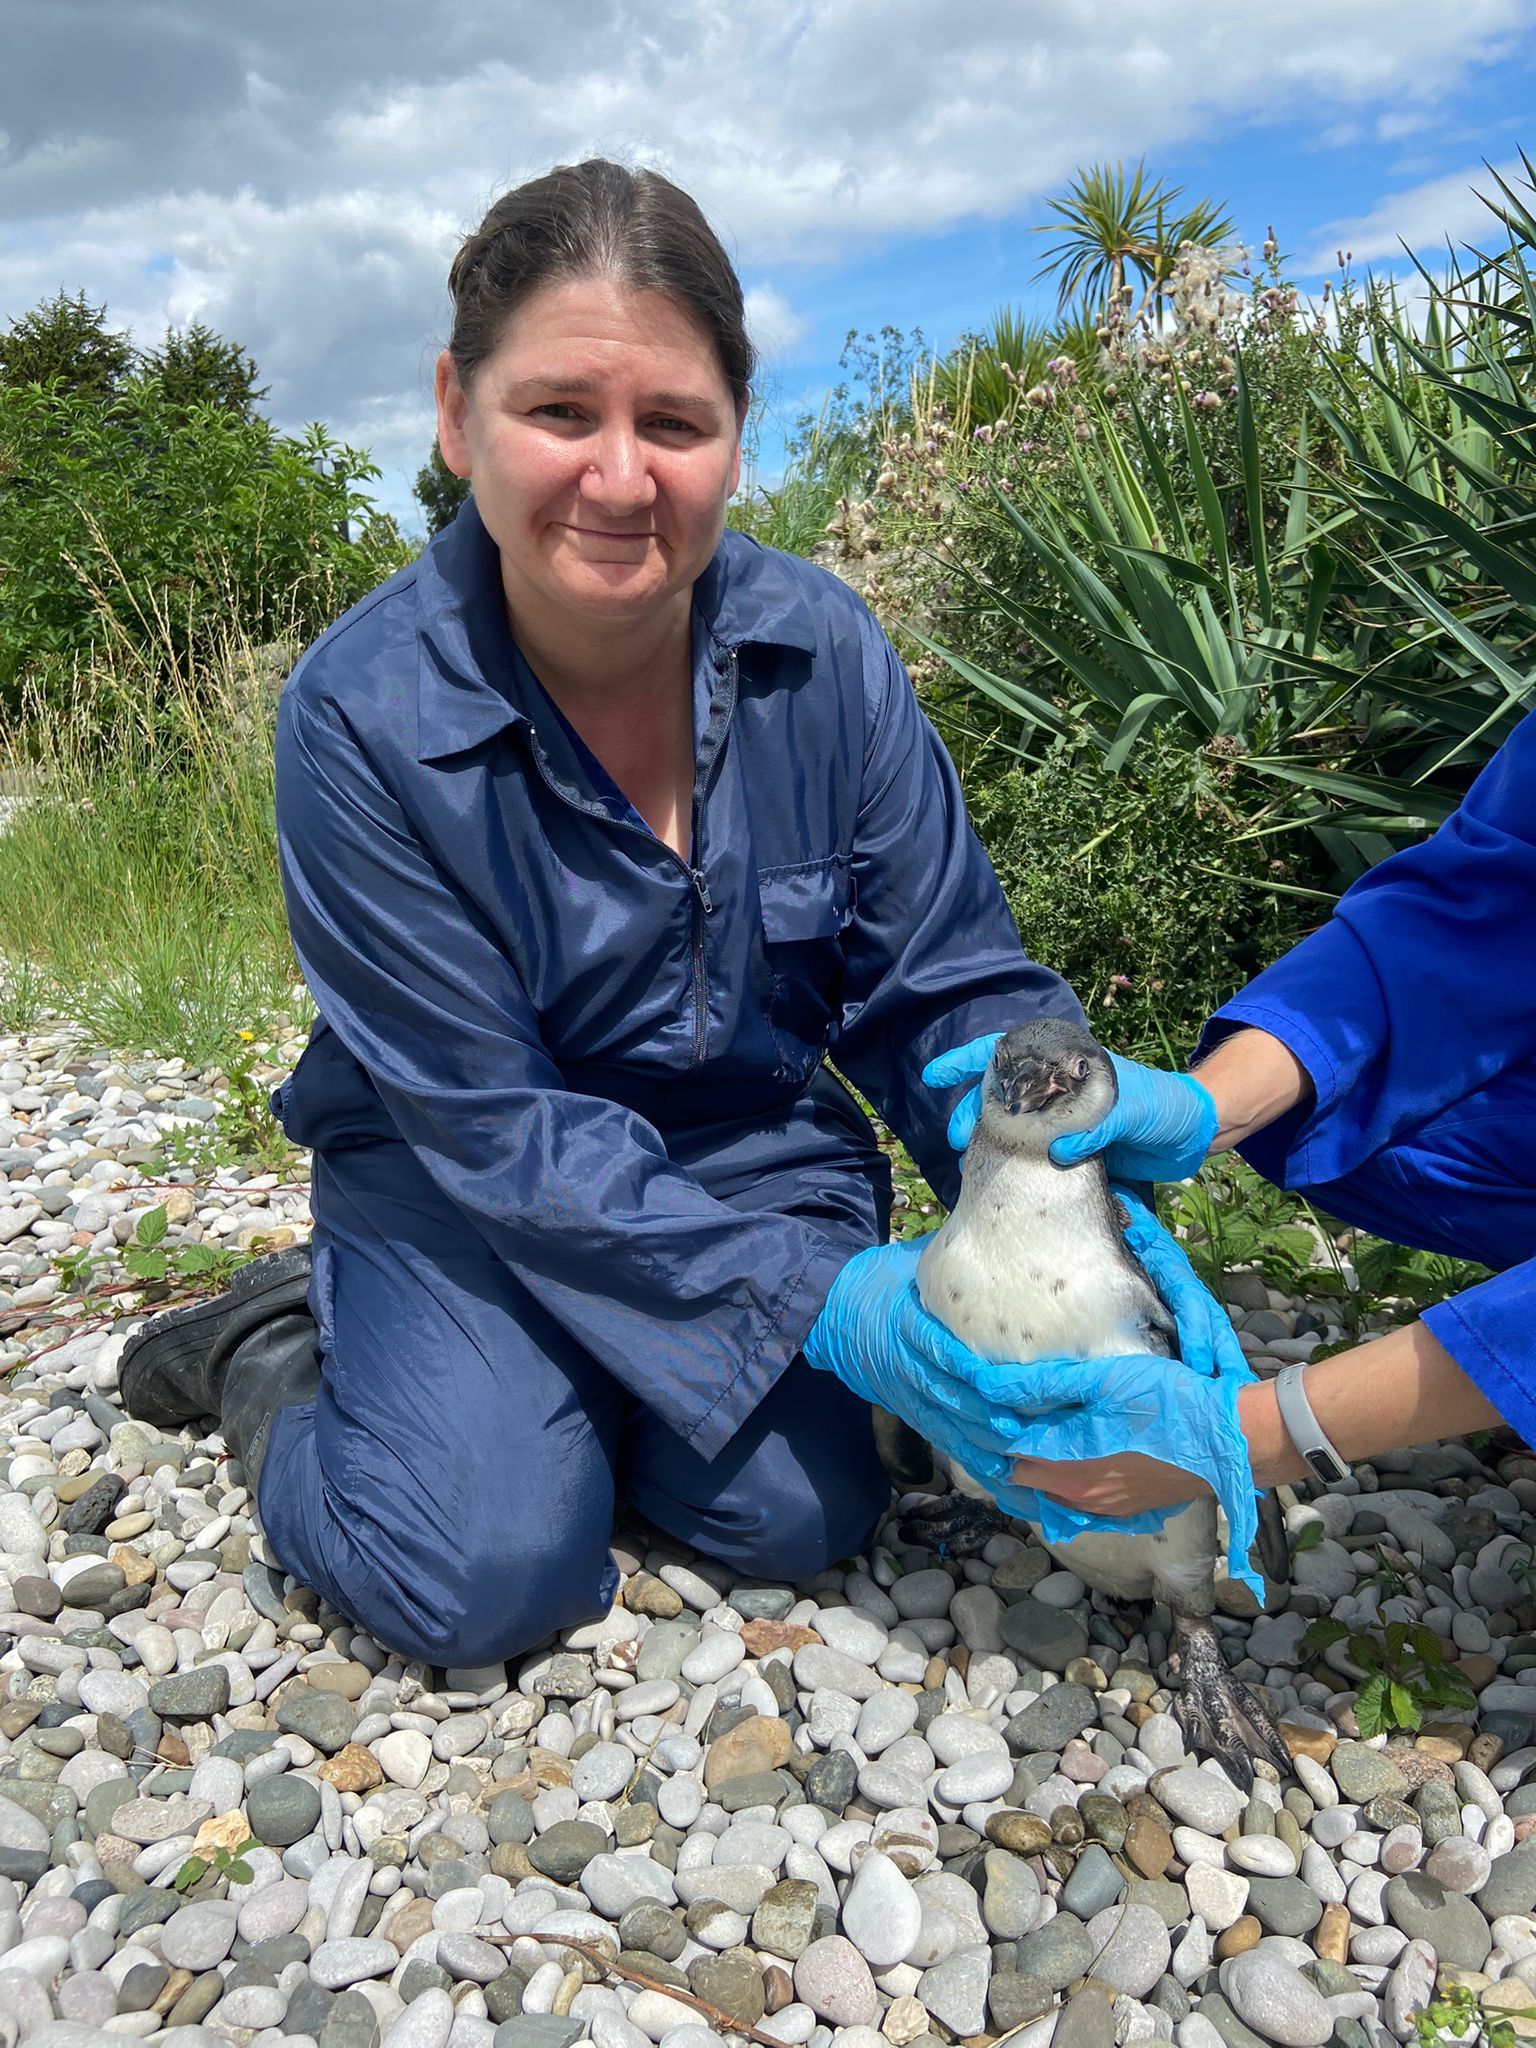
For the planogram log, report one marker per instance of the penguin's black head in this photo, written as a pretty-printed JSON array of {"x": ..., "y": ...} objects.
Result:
[{"x": 1051, "y": 1074}]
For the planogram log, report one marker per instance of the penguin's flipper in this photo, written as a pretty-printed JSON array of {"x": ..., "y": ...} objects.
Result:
[
  {"x": 1217, "y": 1711},
  {"x": 1274, "y": 1551},
  {"x": 903, "y": 1453},
  {"x": 953, "y": 1526}
]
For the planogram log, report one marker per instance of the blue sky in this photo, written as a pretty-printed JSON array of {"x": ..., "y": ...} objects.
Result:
[
  {"x": 299, "y": 176},
  {"x": 1390, "y": 170}
]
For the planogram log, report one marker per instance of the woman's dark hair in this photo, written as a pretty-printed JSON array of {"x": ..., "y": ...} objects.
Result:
[{"x": 596, "y": 219}]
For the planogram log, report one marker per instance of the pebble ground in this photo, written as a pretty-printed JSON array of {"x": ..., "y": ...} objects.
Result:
[{"x": 908, "y": 1803}]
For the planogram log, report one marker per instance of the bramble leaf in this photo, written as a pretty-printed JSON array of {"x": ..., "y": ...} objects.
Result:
[
  {"x": 152, "y": 1226},
  {"x": 1370, "y": 1707},
  {"x": 1323, "y": 1633},
  {"x": 1404, "y": 1707}
]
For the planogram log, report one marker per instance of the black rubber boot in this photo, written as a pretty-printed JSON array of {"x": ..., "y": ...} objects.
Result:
[
  {"x": 274, "y": 1367},
  {"x": 173, "y": 1370}
]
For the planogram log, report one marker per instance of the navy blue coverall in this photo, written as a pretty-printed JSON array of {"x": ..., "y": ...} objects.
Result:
[
  {"x": 1413, "y": 1009},
  {"x": 581, "y": 1182}
]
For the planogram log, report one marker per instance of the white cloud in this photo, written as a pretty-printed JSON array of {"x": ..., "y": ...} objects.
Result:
[
  {"x": 773, "y": 323},
  {"x": 298, "y": 175},
  {"x": 1422, "y": 216}
]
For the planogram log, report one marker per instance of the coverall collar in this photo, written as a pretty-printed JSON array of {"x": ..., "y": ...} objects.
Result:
[{"x": 467, "y": 665}]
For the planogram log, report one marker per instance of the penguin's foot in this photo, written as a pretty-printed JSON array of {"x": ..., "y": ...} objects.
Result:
[
  {"x": 955, "y": 1525},
  {"x": 1217, "y": 1711}
]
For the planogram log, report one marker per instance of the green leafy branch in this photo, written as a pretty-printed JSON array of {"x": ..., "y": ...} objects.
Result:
[
  {"x": 148, "y": 1257},
  {"x": 1404, "y": 1668}
]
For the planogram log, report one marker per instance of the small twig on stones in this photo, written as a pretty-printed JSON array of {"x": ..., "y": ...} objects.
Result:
[
  {"x": 727, "y": 2022},
  {"x": 669, "y": 1719},
  {"x": 87, "y": 1325}
]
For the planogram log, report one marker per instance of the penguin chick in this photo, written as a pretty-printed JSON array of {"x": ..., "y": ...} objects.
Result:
[{"x": 1032, "y": 1263}]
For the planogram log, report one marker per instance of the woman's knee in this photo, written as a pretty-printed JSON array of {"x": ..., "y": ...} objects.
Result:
[
  {"x": 502, "y": 1602},
  {"x": 802, "y": 1525},
  {"x": 484, "y": 1589},
  {"x": 489, "y": 1602}
]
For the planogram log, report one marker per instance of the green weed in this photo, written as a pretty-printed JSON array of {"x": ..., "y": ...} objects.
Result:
[
  {"x": 1453, "y": 2014},
  {"x": 139, "y": 891},
  {"x": 244, "y": 1131},
  {"x": 1404, "y": 1671},
  {"x": 226, "y": 1863}
]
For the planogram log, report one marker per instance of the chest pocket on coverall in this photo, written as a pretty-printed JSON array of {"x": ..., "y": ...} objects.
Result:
[{"x": 805, "y": 910}]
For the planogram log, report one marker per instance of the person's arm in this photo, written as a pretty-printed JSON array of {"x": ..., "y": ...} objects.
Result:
[
  {"x": 932, "y": 958},
  {"x": 1401, "y": 1389},
  {"x": 693, "y": 1307},
  {"x": 1253, "y": 1078}
]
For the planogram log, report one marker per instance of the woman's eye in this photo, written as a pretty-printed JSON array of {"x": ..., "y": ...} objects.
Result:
[
  {"x": 671, "y": 426},
  {"x": 556, "y": 409}
]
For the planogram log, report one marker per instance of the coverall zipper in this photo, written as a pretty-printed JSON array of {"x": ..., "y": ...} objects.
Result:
[{"x": 710, "y": 749}]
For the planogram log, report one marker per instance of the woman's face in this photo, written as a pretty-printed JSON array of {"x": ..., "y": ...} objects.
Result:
[{"x": 603, "y": 442}]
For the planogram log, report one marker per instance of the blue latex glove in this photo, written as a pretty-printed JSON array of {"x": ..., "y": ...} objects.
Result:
[
  {"x": 965, "y": 1063},
  {"x": 1160, "y": 1128},
  {"x": 1181, "y": 1411},
  {"x": 875, "y": 1335}
]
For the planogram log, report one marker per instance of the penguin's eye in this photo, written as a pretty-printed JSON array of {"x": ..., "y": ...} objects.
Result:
[{"x": 1079, "y": 1070}]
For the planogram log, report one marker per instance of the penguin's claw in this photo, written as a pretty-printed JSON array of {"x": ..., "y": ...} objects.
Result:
[
  {"x": 952, "y": 1526},
  {"x": 1218, "y": 1712}
]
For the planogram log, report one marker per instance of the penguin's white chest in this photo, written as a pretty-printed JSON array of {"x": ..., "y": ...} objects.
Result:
[{"x": 1023, "y": 1269}]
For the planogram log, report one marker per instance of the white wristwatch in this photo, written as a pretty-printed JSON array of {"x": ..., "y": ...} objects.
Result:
[{"x": 1304, "y": 1430}]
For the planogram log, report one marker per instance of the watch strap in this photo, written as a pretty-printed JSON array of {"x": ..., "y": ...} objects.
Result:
[{"x": 1304, "y": 1429}]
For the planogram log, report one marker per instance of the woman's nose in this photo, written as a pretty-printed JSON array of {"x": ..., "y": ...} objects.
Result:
[{"x": 618, "y": 475}]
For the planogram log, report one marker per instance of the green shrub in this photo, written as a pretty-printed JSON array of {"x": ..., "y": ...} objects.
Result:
[
  {"x": 1133, "y": 887},
  {"x": 135, "y": 521}
]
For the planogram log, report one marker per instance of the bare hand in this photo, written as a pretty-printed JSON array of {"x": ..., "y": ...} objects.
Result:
[{"x": 1126, "y": 1484}]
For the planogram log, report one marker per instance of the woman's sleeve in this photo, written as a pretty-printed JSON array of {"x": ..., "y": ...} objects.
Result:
[
  {"x": 1420, "y": 988},
  {"x": 932, "y": 957},
  {"x": 1490, "y": 1331},
  {"x": 693, "y": 1307}
]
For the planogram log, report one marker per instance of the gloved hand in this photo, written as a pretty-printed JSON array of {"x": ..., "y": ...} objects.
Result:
[
  {"x": 875, "y": 1334},
  {"x": 965, "y": 1063},
  {"x": 1160, "y": 1128},
  {"x": 1180, "y": 1411}
]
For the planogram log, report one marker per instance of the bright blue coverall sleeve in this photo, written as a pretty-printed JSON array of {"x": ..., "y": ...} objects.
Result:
[{"x": 1417, "y": 996}]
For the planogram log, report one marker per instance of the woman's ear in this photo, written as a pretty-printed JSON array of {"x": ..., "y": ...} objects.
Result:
[
  {"x": 452, "y": 405},
  {"x": 741, "y": 426}
]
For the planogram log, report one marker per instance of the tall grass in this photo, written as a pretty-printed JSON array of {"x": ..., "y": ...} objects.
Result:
[{"x": 139, "y": 892}]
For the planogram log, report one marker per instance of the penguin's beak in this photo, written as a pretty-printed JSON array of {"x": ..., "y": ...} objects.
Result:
[{"x": 1033, "y": 1091}]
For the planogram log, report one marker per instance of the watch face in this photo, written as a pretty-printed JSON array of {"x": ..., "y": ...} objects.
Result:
[{"x": 1327, "y": 1468}]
